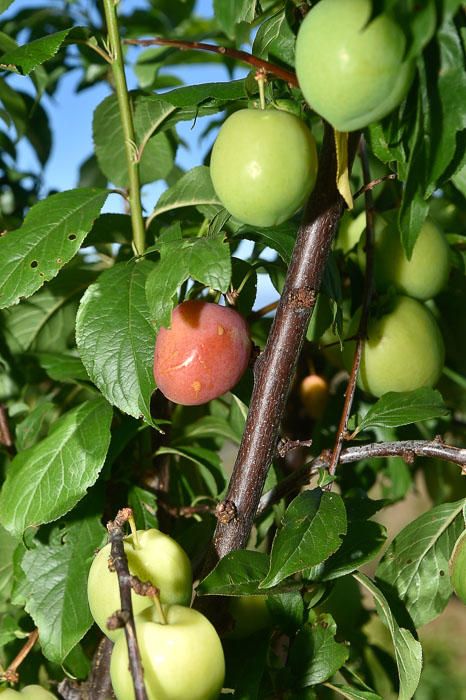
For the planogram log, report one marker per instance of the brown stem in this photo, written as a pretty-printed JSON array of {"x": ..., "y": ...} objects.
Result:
[
  {"x": 373, "y": 183},
  {"x": 5, "y": 434},
  {"x": 120, "y": 562},
  {"x": 11, "y": 674},
  {"x": 263, "y": 311},
  {"x": 98, "y": 686},
  {"x": 407, "y": 449},
  {"x": 243, "y": 56},
  {"x": 362, "y": 329},
  {"x": 275, "y": 368}
]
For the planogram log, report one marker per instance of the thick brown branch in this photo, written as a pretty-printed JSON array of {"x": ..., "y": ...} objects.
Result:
[
  {"x": 120, "y": 562},
  {"x": 362, "y": 329},
  {"x": 275, "y": 367},
  {"x": 243, "y": 56},
  {"x": 407, "y": 449}
]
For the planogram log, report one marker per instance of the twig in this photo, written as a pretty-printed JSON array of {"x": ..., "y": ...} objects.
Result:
[
  {"x": 407, "y": 449},
  {"x": 243, "y": 56},
  {"x": 362, "y": 329},
  {"x": 373, "y": 183},
  {"x": 98, "y": 686},
  {"x": 275, "y": 368},
  {"x": 125, "y": 581},
  {"x": 11, "y": 674},
  {"x": 5, "y": 434},
  {"x": 263, "y": 311}
]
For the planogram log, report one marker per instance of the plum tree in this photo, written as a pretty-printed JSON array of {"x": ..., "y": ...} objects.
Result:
[
  {"x": 424, "y": 274},
  {"x": 182, "y": 656},
  {"x": 154, "y": 557},
  {"x": 203, "y": 354},
  {"x": 263, "y": 165},
  {"x": 352, "y": 71},
  {"x": 404, "y": 349}
]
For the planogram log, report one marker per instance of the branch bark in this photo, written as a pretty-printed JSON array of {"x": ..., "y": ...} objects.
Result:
[{"x": 275, "y": 367}]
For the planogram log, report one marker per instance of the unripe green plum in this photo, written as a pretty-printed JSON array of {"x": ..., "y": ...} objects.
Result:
[
  {"x": 263, "y": 165},
  {"x": 351, "y": 71},
  {"x": 9, "y": 694},
  {"x": 203, "y": 354},
  {"x": 424, "y": 274},
  {"x": 182, "y": 660},
  {"x": 157, "y": 558},
  {"x": 404, "y": 349},
  {"x": 250, "y": 614},
  {"x": 36, "y": 692},
  {"x": 458, "y": 567}
]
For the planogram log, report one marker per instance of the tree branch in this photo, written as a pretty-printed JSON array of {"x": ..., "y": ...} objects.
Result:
[
  {"x": 362, "y": 328},
  {"x": 407, "y": 449},
  {"x": 275, "y": 367},
  {"x": 125, "y": 580},
  {"x": 243, "y": 56}
]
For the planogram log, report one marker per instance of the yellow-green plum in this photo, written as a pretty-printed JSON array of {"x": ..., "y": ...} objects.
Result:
[
  {"x": 351, "y": 71},
  {"x": 156, "y": 558},
  {"x": 458, "y": 568},
  {"x": 250, "y": 614},
  {"x": 203, "y": 354},
  {"x": 314, "y": 393},
  {"x": 263, "y": 165},
  {"x": 422, "y": 276},
  {"x": 9, "y": 694},
  {"x": 182, "y": 659},
  {"x": 404, "y": 349},
  {"x": 36, "y": 692}
]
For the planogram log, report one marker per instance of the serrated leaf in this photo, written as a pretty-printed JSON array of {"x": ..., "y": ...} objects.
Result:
[
  {"x": 63, "y": 367},
  {"x": 275, "y": 38},
  {"x": 416, "y": 562},
  {"x": 192, "y": 189},
  {"x": 24, "y": 59},
  {"x": 157, "y": 155},
  {"x": 352, "y": 693},
  {"x": 50, "y": 236},
  {"x": 192, "y": 96},
  {"x": 30, "y": 428},
  {"x": 408, "y": 651},
  {"x": 315, "y": 656},
  {"x": 281, "y": 238},
  {"x": 45, "y": 481},
  {"x": 206, "y": 260},
  {"x": 57, "y": 576},
  {"x": 207, "y": 462},
  {"x": 402, "y": 408},
  {"x": 237, "y": 573},
  {"x": 144, "y": 506},
  {"x": 229, "y": 14},
  {"x": 115, "y": 338},
  {"x": 360, "y": 545},
  {"x": 311, "y": 530}
]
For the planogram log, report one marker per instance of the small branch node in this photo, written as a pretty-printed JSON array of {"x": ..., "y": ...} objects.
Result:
[
  {"x": 284, "y": 445},
  {"x": 117, "y": 620},
  {"x": 226, "y": 511}
]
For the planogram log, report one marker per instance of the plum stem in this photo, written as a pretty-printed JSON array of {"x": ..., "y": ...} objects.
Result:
[{"x": 162, "y": 620}]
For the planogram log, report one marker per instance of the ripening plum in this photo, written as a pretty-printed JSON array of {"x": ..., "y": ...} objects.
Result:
[{"x": 203, "y": 354}]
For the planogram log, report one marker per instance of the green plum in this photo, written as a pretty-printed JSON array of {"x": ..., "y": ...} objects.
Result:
[
  {"x": 351, "y": 71},
  {"x": 404, "y": 349},
  {"x": 422, "y": 276},
  {"x": 182, "y": 659},
  {"x": 263, "y": 165},
  {"x": 250, "y": 614},
  {"x": 156, "y": 558}
]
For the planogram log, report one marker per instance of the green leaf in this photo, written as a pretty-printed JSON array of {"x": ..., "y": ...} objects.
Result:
[
  {"x": 360, "y": 545},
  {"x": 30, "y": 429},
  {"x": 50, "y": 236},
  {"x": 275, "y": 39},
  {"x": 210, "y": 427},
  {"x": 144, "y": 507},
  {"x": 229, "y": 14},
  {"x": 238, "y": 573},
  {"x": 157, "y": 156},
  {"x": 192, "y": 96},
  {"x": 25, "y": 58},
  {"x": 416, "y": 562},
  {"x": 207, "y": 463},
  {"x": 281, "y": 238},
  {"x": 408, "y": 651},
  {"x": 8, "y": 545},
  {"x": 191, "y": 190},
  {"x": 315, "y": 656},
  {"x": 115, "y": 338},
  {"x": 311, "y": 530},
  {"x": 57, "y": 580},
  {"x": 4, "y": 5},
  {"x": 45, "y": 481},
  {"x": 206, "y": 260},
  {"x": 352, "y": 693},
  {"x": 402, "y": 408},
  {"x": 63, "y": 367}
]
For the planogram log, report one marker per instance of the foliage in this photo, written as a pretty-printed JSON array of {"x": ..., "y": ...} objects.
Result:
[{"x": 87, "y": 283}]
